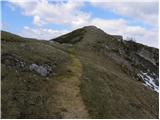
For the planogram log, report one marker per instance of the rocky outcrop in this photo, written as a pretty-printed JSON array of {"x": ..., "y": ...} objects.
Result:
[
  {"x": 14, "y": 61},
  {"x": 118, "y": 37},
  {"x": 43, "y": 70}
]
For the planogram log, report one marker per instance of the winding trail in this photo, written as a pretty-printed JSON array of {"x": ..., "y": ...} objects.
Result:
[{"x": 69, "y": 99}]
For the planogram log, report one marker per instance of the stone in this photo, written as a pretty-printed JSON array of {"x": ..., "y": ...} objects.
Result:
[{"x": 40, "y": 69}]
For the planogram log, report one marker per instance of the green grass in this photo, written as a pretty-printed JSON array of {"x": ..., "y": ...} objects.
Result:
[
  {"x": 82, "y": 71},
  {"x": 110, "y": 93},
  {"x": 71, "y": 38},
  {"x": 26, "y": 94}
]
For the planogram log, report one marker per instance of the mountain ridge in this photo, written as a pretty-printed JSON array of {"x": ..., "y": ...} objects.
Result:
[
  {"x": 83, "y": 74},
  {"x": 120, "y": 47}
]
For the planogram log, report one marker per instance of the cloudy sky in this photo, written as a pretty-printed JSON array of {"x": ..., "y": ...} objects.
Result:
[{"x": 48, "y": 19}]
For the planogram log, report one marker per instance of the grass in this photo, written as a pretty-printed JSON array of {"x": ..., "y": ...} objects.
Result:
[
  {"x": 68, "y": 89},
  {"x": 108, "y": 92},
  {"x": 26, "y": 94},
  {"x": 71, "y": 38},
  {"x": 10, "y": 37},
  {"x": 84, "y": 84}
]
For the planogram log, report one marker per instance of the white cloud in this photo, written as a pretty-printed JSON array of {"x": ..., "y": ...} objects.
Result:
[
  {"x": 58, "y": 13},
  {"x": 110, "y": 26},
  {"x": 69, "y": 12},
  {"x": 115, "y": 1},
  {"x": 41, "y": 33},
  {"x": 37, "y": 21},
  {"x": 145, "y": 11},
  {"x": 121, "y": 27}
]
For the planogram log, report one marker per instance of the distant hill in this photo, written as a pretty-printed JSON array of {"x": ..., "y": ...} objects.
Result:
[
  {"x": 83, "y": 74},
  {"x": 6, "y": 36}
]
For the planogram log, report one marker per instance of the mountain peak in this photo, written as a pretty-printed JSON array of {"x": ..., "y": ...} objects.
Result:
[
  {"x": 90, "y": 27},
  {"x": 77, "y": 35}
]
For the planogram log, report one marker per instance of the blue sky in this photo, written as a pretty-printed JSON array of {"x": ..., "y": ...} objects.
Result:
[{"x": 48, "y": 19}]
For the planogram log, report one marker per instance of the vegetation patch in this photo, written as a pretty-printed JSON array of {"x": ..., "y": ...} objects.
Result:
[{"x": 71, "y": 38}]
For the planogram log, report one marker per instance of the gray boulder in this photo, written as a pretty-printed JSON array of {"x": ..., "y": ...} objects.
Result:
[{"x": 43, "y": 70}]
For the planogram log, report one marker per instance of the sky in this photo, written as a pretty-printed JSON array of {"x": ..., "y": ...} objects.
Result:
[{"x": 47, "y": 19}]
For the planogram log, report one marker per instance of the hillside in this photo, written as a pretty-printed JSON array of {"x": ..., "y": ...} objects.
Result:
[{"x": 84, "y": 74}]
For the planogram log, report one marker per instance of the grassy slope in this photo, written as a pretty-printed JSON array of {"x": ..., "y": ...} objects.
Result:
[
  {"x": 26, "y": 94},
  {"x": 6, "y": 36},
  {"x": 107, "y": 91},
  {"x": 110, "y": 93},
  {"x": 72, "y": 38}
]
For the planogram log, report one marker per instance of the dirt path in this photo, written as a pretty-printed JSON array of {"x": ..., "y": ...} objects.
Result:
[{"x": 69, "y": 99}]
